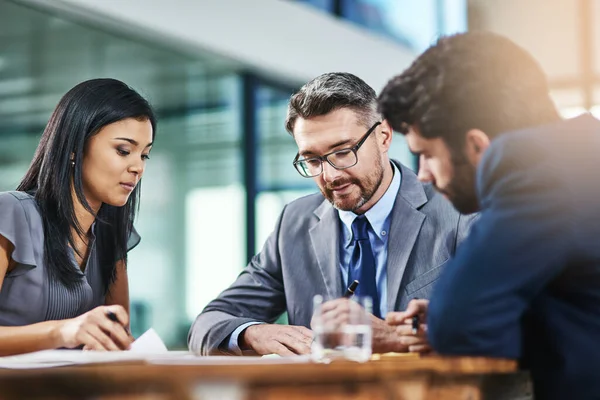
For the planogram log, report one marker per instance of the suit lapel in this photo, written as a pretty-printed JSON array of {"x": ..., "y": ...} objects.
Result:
[
  {"x": 405, "y": 227},
  {"x": 324, "y": 237}
]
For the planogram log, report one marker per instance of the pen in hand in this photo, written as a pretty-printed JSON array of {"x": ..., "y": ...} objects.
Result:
[
  {"x": 114, "y": 318},
  {"x": 415, "y": 322},
  {"x": 350, "y": 291}
]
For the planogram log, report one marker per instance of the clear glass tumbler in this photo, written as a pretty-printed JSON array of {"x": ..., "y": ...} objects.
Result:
[{"x": 343, "y": 334}]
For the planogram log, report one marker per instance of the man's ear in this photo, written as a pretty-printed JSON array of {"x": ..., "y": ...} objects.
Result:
[
  {"x": 386, "y": 134},
  {"x": 476, "y": 143}
]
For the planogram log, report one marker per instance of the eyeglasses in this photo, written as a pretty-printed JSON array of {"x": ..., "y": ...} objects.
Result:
[{"x": 339, "y": 159}]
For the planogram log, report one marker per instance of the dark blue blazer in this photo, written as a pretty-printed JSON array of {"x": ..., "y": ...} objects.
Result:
[{"x": 525, "y": 284}]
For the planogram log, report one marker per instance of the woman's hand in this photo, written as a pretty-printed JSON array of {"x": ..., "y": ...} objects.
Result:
[{"x": 95, "y": 330}]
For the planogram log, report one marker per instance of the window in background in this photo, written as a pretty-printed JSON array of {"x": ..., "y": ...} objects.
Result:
[
  {"x": 278, "y": 181},
  {"x": 414, "y": 24},
  {"x": 399, "y": 151},
  {"x": 571, "y": 112},
  {"x": 569, "y": 102},
  {"x": 16, "y": 152},
  {"x": 276, "y": 147},
  {"x": 326, "y": 5},
  {"x": 214, "y": 216},
  {"x": 452, "y": 16},
  {"x": 393, "y": 19},
  {"x": 215, "y": 242}
]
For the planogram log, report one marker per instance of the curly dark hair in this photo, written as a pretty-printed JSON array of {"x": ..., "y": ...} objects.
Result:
[{"x": 474, "y": 80}]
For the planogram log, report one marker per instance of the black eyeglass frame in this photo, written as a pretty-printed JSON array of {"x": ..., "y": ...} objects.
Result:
[{"x": 325, "y": 157}]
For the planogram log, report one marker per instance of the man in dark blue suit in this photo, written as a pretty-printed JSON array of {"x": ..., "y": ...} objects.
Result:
[{"x": 525, "y": 284}]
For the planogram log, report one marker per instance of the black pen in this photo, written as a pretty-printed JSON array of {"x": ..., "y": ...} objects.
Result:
[
  {"x": 351, "y": 289},
  {"x": 415, "y": 322},
  {"x": 114, "y": 318}
]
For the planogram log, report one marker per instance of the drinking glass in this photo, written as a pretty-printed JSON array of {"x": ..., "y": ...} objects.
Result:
[{"x": 346, "y": 334}]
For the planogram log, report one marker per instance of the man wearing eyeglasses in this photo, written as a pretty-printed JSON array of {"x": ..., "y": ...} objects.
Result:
[{"x": 373, "y": 222}]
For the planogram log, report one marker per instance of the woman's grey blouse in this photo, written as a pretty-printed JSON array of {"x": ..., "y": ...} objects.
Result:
[{"x": 29, "y": 294}]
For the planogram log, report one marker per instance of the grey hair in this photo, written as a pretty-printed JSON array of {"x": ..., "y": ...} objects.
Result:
[{"x": 330, "y": 92}]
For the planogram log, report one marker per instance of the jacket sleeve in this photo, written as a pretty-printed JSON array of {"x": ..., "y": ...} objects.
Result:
[{"x": 257, "y": 295}]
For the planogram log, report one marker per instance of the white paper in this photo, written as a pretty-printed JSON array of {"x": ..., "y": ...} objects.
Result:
[
  {"x": 56, "y": 358},
  {"x": 146, "y": 346},
  {"x": 149, "y": 342}
]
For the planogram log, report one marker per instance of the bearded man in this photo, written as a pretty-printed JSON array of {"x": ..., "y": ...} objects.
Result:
[{"x": 526, "y": 283}]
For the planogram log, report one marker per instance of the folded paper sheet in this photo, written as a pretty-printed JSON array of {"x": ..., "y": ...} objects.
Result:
[{"x": 149, "y": 342}]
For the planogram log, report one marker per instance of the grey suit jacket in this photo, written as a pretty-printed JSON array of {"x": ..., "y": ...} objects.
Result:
[{"x": 301, "y": 259}]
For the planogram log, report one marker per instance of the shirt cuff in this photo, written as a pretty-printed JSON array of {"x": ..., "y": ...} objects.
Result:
[{"x": 234, "y": 345}]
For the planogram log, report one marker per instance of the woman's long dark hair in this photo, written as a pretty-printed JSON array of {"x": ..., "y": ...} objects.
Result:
[{"x": 80, "y": 114}]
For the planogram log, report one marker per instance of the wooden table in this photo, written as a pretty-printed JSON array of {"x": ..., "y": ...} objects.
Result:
[{"x": 391, "y": 378}]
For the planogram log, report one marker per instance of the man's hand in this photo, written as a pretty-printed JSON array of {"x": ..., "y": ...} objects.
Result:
[
  {"x": 385, "y": 338},
  {"x": 402, "y": 321},
  {"x": 416, "y": 307},
  {"x": 285, "y": 340}
]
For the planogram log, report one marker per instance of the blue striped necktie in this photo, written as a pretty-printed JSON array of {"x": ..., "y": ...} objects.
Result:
[{"x": 362, "y": 263}]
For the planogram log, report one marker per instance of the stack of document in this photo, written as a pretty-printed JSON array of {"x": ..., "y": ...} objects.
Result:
[{"x": 148, "y": 348}]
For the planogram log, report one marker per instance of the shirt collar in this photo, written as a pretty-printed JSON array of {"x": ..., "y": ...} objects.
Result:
[{"x": 376, "y": 215}]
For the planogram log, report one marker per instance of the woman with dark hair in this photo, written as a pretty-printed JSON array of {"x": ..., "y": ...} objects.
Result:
[{"x": 66, "y": 231}]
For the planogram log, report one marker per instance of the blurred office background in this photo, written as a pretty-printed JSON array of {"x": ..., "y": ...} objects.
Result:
[{"x": 219, "y": 73}]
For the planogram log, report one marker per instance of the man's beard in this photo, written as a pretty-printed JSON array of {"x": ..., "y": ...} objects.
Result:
[
  {"x": 461, "y": 189},
  {"x": 367, "y": 187}
]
